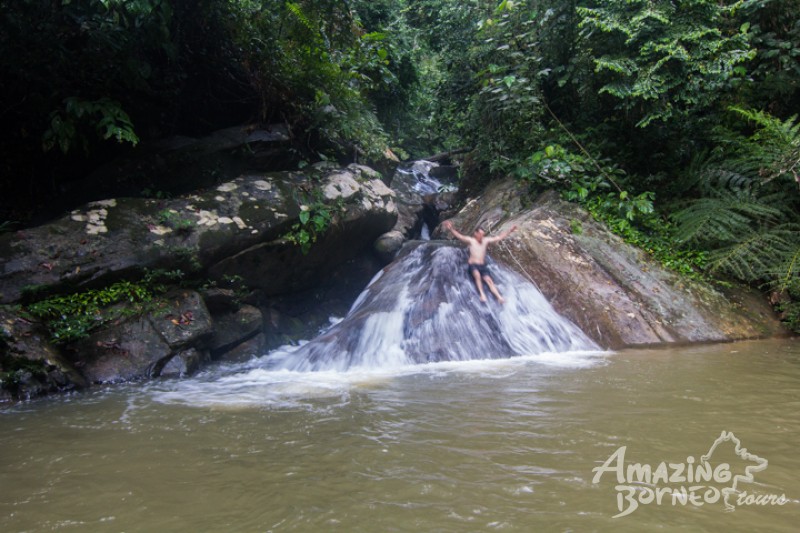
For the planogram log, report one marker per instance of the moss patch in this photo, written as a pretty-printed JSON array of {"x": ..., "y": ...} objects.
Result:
[
  {"x": 73, "y": 316},
  {"x": 15, "y": 371}
]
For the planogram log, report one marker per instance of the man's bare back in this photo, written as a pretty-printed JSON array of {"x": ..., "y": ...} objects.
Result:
[{"x": 477, "y": 245}]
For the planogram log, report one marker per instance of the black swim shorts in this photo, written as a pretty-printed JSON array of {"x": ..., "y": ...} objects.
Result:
[{"x": 483, "y": 269}]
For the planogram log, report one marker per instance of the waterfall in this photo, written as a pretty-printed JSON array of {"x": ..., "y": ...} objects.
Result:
[
  {"x": 424, "y": 307},
  {"x": 425, "y": 233},
  {"x": 421, "y": 181}
]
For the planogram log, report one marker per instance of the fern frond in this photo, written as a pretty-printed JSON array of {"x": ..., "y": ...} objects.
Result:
[
  {"x": 787, "y": 131},
  {"x": 790, "y": 271},
  {"x": 781, "y": 201},
  {"x": 728, "y": 179},
  {"x": 787, "y": 264},
  {"x": 773, "y": 151},
  {"x": 747, "y": 216},
  {"x": 300, "y": 15},
  {"x": 754, "y": 257},
  {"x": 722, "y": 218},
  {"x": 693, "y": 175}
]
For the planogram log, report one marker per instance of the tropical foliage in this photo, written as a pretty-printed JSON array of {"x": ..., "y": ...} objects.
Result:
[
  {"x": 749, "y": 195},
  {"x": 663, "y": 60},
  {"x": 673, "y": 120}
]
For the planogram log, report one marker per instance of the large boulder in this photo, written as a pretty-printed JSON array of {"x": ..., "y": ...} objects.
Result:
[
  {"x": 234, "y": 328},
  {"x": 236, "y": 228},
  {"x": 130, "y": 350},
  {"x": 367, "y": 209},
  {"x": 29, "y": 364},
  {"x": 178, "y": 326},
  {"x": 615, "y": 292},
  {"x": 182, "y": 319}
]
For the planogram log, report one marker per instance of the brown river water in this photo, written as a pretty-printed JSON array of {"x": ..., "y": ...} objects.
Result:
[{"x": 501, "y": 445}]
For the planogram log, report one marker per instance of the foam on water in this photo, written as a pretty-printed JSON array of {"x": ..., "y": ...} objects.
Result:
[{"x": 253, "y": 384}]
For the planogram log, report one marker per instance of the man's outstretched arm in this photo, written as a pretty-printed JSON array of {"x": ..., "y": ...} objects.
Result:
[
  {"x": 449, "y": 227},
  {"x": 503, "y": 235}
]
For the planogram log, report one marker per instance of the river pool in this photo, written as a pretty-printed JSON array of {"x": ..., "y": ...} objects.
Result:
[{"x": 505, "y": 445}]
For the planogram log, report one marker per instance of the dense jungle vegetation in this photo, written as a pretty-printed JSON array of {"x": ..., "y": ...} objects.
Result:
[{"x": 673, "y": 121}]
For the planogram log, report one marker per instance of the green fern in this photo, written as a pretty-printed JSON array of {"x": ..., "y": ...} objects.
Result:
[
  {"x": 755, "y": 255},
  {"x": 297, "y": 11},
  {"x": 722, "y": 218},
  {"x": 787, "y": 131},
  {"x": 774, "y": 149},
  {"x": 746, "y": 214},
  {"x": 785, "y": 247}
]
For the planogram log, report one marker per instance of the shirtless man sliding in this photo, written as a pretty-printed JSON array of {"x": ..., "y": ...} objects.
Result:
[{"x": 477, "y": 257}]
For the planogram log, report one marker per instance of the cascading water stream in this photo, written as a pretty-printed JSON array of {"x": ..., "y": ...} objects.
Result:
[
  {"x": 425, "y": 308},
  {"x": 423, "y": 182}
]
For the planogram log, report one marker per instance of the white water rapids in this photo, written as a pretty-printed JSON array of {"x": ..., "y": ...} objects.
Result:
[
  {"x": 424, "y": 308},
  {"x": 420, "y": 314}
]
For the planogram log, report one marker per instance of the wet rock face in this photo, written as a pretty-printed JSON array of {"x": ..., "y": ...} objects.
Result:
[
  {"x": 278, "y": 267},
  {"x": 616, "y": 293}
]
